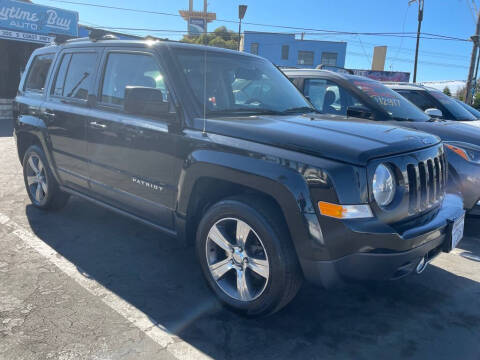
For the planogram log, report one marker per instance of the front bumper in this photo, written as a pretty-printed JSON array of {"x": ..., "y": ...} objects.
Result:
[{"x": 384, "y": 255}]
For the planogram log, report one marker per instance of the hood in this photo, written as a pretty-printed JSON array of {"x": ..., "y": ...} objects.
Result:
[
  {"x": 462, "y": 131},
  {"x": 354, "y": 142}
]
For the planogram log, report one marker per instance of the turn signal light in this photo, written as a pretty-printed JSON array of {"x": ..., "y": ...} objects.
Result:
[
  {"x": 344, "y": 211},
  {"x": 458, "y": 151}
]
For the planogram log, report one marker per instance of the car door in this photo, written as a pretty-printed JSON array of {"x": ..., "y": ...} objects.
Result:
[
  {"x": 66, "y": 110},
  {"x": 133, "y": 158}
]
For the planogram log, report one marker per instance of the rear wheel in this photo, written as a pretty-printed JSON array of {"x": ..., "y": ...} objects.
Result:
[
  {"x": 41, "y": 186},
  {"x": 247, "y": 257}
]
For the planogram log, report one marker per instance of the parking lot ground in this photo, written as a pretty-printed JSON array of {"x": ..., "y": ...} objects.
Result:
[{"x": 85, "y": 283}]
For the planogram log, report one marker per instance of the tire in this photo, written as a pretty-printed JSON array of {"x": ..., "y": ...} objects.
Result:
[
  {"x": 41, "y": 186},
  {"x": 271, "y": 270}
]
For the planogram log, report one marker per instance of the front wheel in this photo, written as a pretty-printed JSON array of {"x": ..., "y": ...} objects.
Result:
[
  {"x": 41, "y": 186},
  {"x": 247, "y": 256}
]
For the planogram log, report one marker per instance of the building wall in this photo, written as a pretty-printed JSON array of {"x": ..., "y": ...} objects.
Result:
[{"x": 270, "y": 47}]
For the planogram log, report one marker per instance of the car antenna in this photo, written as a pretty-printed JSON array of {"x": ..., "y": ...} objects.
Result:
[{"x": 204, "y": 131}]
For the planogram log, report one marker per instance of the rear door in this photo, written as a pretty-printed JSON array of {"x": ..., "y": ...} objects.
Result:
[
  {"x": 134, "y": 163},
  {"x": 66, "y": 111}
]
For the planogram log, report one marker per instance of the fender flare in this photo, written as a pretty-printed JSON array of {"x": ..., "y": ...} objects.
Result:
[
  {"x": 285, "y": 185},
  {"x": 34, "y": 126}
]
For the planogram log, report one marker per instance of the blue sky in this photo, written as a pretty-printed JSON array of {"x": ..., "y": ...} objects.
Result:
[{"x": 439, "y": 60}]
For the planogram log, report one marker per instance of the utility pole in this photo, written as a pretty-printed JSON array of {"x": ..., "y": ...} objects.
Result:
[
  {"x": 420, "y": 18},
  {"x": 242, "y": 9},
  {"x": 468, "y": 95}
]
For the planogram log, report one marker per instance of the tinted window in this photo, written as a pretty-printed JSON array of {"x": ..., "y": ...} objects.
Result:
[
  {"x": 420, "y": 100},
  {"x": 391, "y": 102},
  {"x": 37, "y": 76},
  {"x": 305, "y": 57},
  {"x": 57, "y": 89},
  {"x": 285, "y": 49},
  {"x": 329, "y": 98},
  {"x": 237, "y": 83},
  {"x": 75, "y": 75},
  {"x": 474, "y": 111},
  {"x": 124, "y": 70},
  {"x": 254, "y": 48},
  {"x": 458, "y": 112}
]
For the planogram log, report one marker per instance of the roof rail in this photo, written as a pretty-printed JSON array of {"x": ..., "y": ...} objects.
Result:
[
  {"x": 334, "y": 69},
  {"x": 100, "y": 34}
]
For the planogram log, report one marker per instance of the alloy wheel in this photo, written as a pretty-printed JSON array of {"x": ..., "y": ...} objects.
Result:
[
  {"x": 36, "y": 178},
  {"x": 237, "y": 259}
]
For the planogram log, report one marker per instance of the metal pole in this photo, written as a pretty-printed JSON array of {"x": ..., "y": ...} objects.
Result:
[
  {"x": 420, "y": 18},
  {"x": 468, "y": 91},
  {"x": 239, "y": 32}
]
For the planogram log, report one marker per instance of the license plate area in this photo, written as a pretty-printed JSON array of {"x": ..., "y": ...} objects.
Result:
[{"x": 455, "y": 232}]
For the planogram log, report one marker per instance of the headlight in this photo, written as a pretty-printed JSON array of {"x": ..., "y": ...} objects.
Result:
[
  {"x": 383, "y": 185},
  {"x": 468, "y": 152}
]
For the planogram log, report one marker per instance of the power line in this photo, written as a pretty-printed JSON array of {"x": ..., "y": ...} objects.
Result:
[{"x": 394, "y": 34}]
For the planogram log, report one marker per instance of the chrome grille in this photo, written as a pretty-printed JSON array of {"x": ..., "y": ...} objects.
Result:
[{"x": 426, "y": 183}]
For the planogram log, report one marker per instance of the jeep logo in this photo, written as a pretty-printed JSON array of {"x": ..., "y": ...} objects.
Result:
[{"x": 147, "y": 184}]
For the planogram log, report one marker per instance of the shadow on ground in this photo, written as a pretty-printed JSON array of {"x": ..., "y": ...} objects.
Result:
[
  {"x": 6, "y": 128},
  {"x": 433, "y": 315}
]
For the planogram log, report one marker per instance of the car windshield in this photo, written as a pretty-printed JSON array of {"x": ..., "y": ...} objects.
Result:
[
  {"x": 231, "y": 84},
  {"x": 469, "y": 108},
  {"x": 393, "y": 103},
  {"x": 457, "y": 110}
]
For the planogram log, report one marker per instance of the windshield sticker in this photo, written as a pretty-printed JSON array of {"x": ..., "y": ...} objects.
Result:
[{"x": 378, "y": 93}]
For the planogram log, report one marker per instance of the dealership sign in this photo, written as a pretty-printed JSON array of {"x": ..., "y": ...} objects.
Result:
[
  {"x": 41, "y": 20},
  {"x": 28, "y": 37},
  {"x": 196, "y": 26}
]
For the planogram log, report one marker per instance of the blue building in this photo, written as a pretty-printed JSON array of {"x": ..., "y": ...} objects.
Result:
[{"x": 286, "y": 50}]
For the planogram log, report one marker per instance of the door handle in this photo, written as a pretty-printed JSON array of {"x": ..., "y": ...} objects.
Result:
[{"x": 97, "y": 125}]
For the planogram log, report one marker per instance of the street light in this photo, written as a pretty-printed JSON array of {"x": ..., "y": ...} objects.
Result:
[{"x": 242, "y": 9}]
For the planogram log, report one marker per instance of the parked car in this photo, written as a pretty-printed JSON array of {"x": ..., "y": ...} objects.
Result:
[
  {"x": 469, "y": 108},
  {"x": 434, "y": 102},
  {"x": 359, "y": 97},
  {"x": 219, "y": 147}
]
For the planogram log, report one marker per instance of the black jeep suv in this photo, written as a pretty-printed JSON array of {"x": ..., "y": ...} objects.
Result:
[{"x": 218, "y": 146}]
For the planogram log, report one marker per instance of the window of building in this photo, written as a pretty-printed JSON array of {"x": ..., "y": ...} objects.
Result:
[
  {"x": 305, "y": 58},
  {"x": 124, "y": 70},
  {"x": 329, "y": 58},
  {"x": 254, "y": 48},
  {"x": 285, "y": 50},
  {"x": 37, "y": 76},
  {"x": 75, "y": 75}
]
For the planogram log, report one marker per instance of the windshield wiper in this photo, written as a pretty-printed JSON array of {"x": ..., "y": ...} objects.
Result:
[
  {"x": 398, "y": 118},
  {"x": 300, "y": 110},
  {"x": 259, "y": 111}
]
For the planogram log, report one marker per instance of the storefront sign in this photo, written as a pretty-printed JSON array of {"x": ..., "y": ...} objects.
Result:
[
  {"x": 196, "y": 26},
  {"x": 40, "y": 20},
  {"x": 396, "y": 76},
  {"x": 28, "y": 37}
]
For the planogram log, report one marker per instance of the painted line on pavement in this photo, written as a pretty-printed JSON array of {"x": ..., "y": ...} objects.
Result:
[{"x": 154, "y": 331}]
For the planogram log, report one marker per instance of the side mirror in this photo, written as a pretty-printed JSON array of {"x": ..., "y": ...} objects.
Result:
[
  {"x": 359, "y": 112},
  {"x": 434, "y": 113},
  {"x": 141, "y": 100}
]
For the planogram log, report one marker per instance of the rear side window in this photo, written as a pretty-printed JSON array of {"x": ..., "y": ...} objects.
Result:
[
  {"x": 124, "y": 70},
  {"x": 37, "y": 76},
  {"x": 420, "y": 100},
  {"x": 75, "y": 75}
]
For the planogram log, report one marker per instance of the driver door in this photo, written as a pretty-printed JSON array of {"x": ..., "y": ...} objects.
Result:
[{"x": 133, "y": 159}]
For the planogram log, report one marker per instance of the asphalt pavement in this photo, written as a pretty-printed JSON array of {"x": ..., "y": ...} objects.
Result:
[{"x": 85, "y": 283}]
